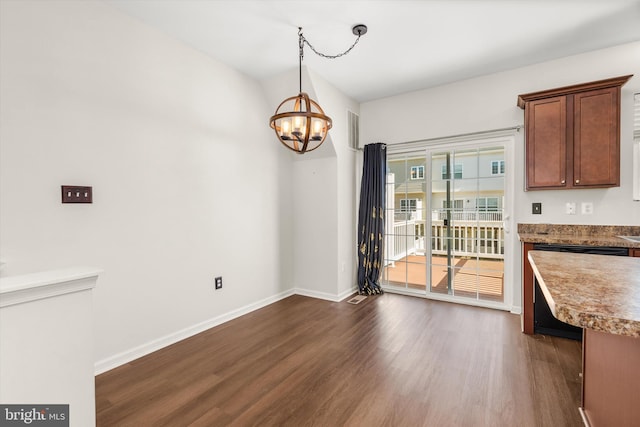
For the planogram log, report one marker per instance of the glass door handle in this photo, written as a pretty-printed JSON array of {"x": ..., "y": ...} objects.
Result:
[{"x": 505, "y": 224}]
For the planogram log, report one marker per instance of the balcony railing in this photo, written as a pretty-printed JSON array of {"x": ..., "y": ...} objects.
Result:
[
  {"x": 466, "y": 215},
  {"x": 471, "y": 233}
]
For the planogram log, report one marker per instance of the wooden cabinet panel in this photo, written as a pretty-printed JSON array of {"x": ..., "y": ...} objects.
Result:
[
  {"x": 547, "y": 147},
  {"x": 528, "y": 290},
  {"x": 610, "y": 379},
  {"x": 596, "y": 149},
  {"x": 573, "y": 136}
]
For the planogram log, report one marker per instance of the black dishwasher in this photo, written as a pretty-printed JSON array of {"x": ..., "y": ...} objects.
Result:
[{"x": 543, "y": 320}]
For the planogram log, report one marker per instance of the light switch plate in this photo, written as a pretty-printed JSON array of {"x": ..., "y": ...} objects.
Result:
[
  {"x": 536, "y": 208},
  {"x": 77, "y": 194}
]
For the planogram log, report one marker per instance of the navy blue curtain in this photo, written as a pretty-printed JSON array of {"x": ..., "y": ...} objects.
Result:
[{"x": 371, "y": 219}]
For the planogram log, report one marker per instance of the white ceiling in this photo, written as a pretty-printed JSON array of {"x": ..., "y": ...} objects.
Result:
[{"x": 410, "y": 45}]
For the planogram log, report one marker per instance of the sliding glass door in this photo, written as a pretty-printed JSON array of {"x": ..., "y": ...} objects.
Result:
[
  {"x": 406, "y": 214},
  {"x": 445, "y": 234}
]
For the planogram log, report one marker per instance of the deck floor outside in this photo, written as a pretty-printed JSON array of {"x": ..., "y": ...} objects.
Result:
[{"x": 481, "y": 279}]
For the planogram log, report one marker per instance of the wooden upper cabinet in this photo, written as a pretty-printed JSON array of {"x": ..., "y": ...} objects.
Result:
[
  {"x": 546, "y": 127},
  {"x": 573, "y": 136},
  {"x": 596, "y": 141}
]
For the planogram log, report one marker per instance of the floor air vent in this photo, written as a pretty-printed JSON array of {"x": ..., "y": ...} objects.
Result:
[{"x": 357, "y": 299}]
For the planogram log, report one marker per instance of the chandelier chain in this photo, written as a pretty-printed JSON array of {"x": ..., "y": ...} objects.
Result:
[
  {"x": 299, "y": 122},
  {"x": 303, "y": 40}
]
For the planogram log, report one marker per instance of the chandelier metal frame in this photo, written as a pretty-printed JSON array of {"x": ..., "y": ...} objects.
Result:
[{"x": 303, "y": 127}]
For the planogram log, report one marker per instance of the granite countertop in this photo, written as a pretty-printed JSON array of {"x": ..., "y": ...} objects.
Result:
[
  {"x": 598, "y": 292},
  {"x": 586, "y": 235}
]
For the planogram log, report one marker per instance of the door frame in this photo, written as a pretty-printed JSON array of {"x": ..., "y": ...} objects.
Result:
[{"x": 505, "y": 138}]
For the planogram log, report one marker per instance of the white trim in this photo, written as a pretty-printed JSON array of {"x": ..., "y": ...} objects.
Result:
[
  {"x": 636, "y": 170},
  {"x": 446, "y": 298},
  {"x": 346, "y": 294},
  {"x": 154, "y": 345},
  {"x": 36, "y": 286},
  {"x": 325, "y": 295},
  {"x": 501, "y": 166},
  {"x": 419, "y": 172},
  {"x": 636, "y": 115},
  {"x": 512, "y": 285},
  {"x": 445, "y": 142}
]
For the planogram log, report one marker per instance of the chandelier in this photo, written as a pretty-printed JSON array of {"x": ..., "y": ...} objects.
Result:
[{"x": 299, "y": 122}]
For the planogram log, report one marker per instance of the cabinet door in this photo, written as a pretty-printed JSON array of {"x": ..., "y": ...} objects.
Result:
[
  {"x": 546, "y": 143},
  {"x": 596, "y": 145}
]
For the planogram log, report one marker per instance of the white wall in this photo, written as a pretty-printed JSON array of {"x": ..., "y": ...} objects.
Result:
[
  {"x": 315, "y": 227},
  {"x": 323, "y": 194},
  {"x": 489, "y": 102},
  {"x": 336, "y": 104},
  {"x": 188, "y": 180},
  {"x": 312, "y": 210}
]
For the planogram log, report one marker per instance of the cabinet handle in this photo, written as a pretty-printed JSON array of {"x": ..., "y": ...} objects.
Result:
[
  {"x": 577, "y": 181},
  {"x": 562, "y": 182}
]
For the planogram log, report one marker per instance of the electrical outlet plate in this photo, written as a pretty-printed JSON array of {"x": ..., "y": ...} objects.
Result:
[
  {"x": 218, "y": 282},
  {"x": 587, "y": 208},
  {"x": 570, "y": 208}
]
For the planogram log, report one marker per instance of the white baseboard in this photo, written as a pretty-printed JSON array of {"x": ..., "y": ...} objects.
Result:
[
  {"x": 325, "y": 295},
  {"x": 144, "y": 349},
  {"x": 345, "y": 294}
]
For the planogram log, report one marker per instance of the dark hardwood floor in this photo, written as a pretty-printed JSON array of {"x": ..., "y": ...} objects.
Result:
[{"x": 391, "y": 360}]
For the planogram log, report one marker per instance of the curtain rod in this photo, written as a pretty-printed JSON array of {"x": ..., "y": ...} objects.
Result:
[{"x": 407, "y": 144}]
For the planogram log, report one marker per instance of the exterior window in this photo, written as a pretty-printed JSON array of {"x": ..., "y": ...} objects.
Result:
[
  {"x": 457, "y": 204},
  {"x": 417, "y": 172},
  {"x": 487, "y": 204},
  {"x": 408, "y": 205},
  {"x": 497, "y": 167},
  {"x": 457, "y": 171}
]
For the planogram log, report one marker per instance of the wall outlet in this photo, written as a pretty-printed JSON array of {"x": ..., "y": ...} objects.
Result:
[
  {"x": 587, "y": 208},
  {"x": 218, "y": 282},
  {"x": 570, "y": 208}
]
